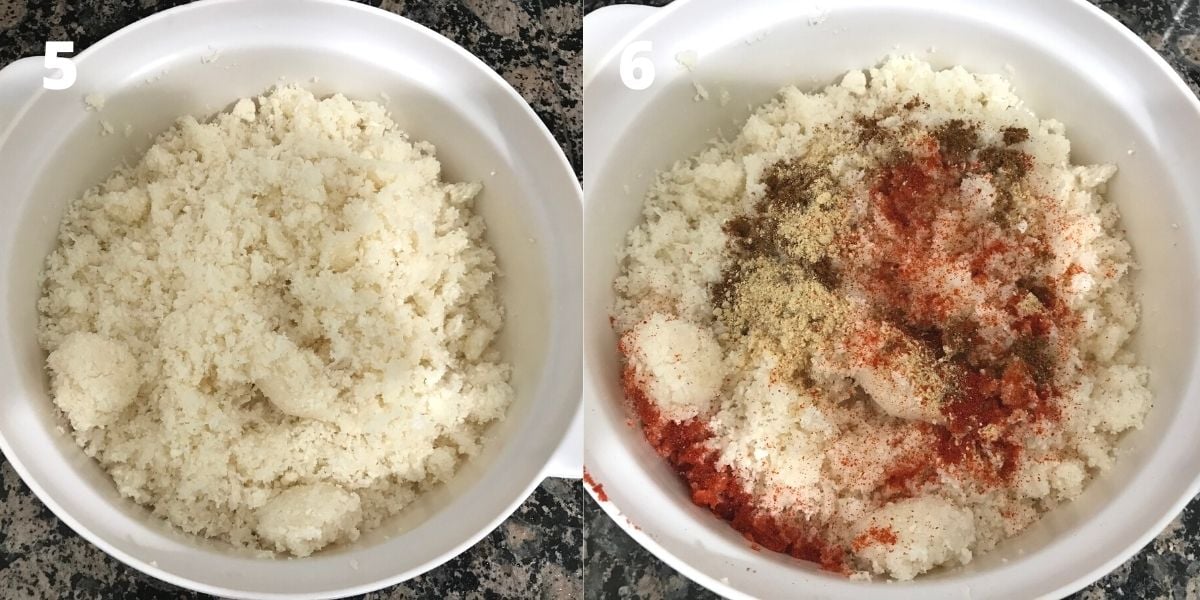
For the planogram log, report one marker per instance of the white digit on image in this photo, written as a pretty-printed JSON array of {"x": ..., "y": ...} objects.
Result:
[
  {"x": 64, "y": 65},
  {"x": 637, "y": 72}
]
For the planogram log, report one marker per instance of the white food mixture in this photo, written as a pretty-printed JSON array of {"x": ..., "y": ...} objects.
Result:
[
  {"x": 885, "y": 326},
  {"x": 276, "y": 328}
]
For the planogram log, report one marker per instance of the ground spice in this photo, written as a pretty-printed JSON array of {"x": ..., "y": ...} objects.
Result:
[
  {"x": 1015, "y": 135},
  {"x": 915, "y": 102},
  {"x": 782, "y": 306},
  {"x": 799, "y": 247},
  {"x": 777, "y": 285},
  {"x": 790, "y": 184},
  {"x": 826, "y": 273},
  {"x": 597, "y": 488},
  {"x": 1034, "y": 351},
  {"x": 956, "y": 140},
  {"x": 994, "y": 390},
  {"x": 684, "y": 446},
  {"x": 722, "y": 290},
  {"x": 904, "y": 478},
  {"x": 907, "y": 191},
  {"x": 752, "y": 236},
  {"x": 885, "y": 536},
  {"x": 869, "y": 129},
  {"x": 1006, "y": 163}
]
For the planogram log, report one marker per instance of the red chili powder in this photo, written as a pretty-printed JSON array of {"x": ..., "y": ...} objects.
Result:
[
  {"x": 906, "y": 192},
  {"x": 718, "y": 489},
  {"x": 884, "y": 536},
  {"x": 906, "y": 476},
  {"x": 596, "y": 487},
  {"x": 994, "y": 390}
]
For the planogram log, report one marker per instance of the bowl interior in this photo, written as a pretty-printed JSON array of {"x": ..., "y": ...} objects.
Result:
[
  {"x": 1067, "y": 62},
  {"x": 482, "y": 131}
]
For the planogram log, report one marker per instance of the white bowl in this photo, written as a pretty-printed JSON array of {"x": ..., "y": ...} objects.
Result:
[
  {"x": 1121, "y": 104},
  {"x": 151, "y": 73}
]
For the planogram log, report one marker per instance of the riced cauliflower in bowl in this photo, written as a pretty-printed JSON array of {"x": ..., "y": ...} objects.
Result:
[{"x": 276, "y": 328}]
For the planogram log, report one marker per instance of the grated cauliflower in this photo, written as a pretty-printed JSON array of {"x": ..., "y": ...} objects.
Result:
[{"x": 276, "y": 328}]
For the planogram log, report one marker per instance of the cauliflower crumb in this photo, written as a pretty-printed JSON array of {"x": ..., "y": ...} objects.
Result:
[
  {"x": 213, "y": 55},
  {"x": 306, "y": 518},
  {"x": 244, "y": 110},
  {"x": 925, "y": 532},
  {"x": 686, "y": 59},
  {"x": 293, "y": 379},
  {"x": 680, "y": 362},
  {"x": 93, "y": 379},
  {"x": 94, "y": 102}
]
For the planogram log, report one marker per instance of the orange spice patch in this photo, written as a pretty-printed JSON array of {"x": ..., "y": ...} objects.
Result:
[
  {"x": 883, "y": 536},
  {"x": 597, "y": 488}
]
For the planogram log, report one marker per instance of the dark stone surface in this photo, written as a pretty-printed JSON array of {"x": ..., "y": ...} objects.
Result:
[
  {"x": 534, "y": 554},
  {"x": 535, "y": 45},
  {"x": 617, "y": 567}
]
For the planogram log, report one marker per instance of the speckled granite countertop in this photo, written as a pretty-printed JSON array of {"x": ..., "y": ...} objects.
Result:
[
  {"x": 536, "y": 46},
  {"x": 617, "y": 567}
]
